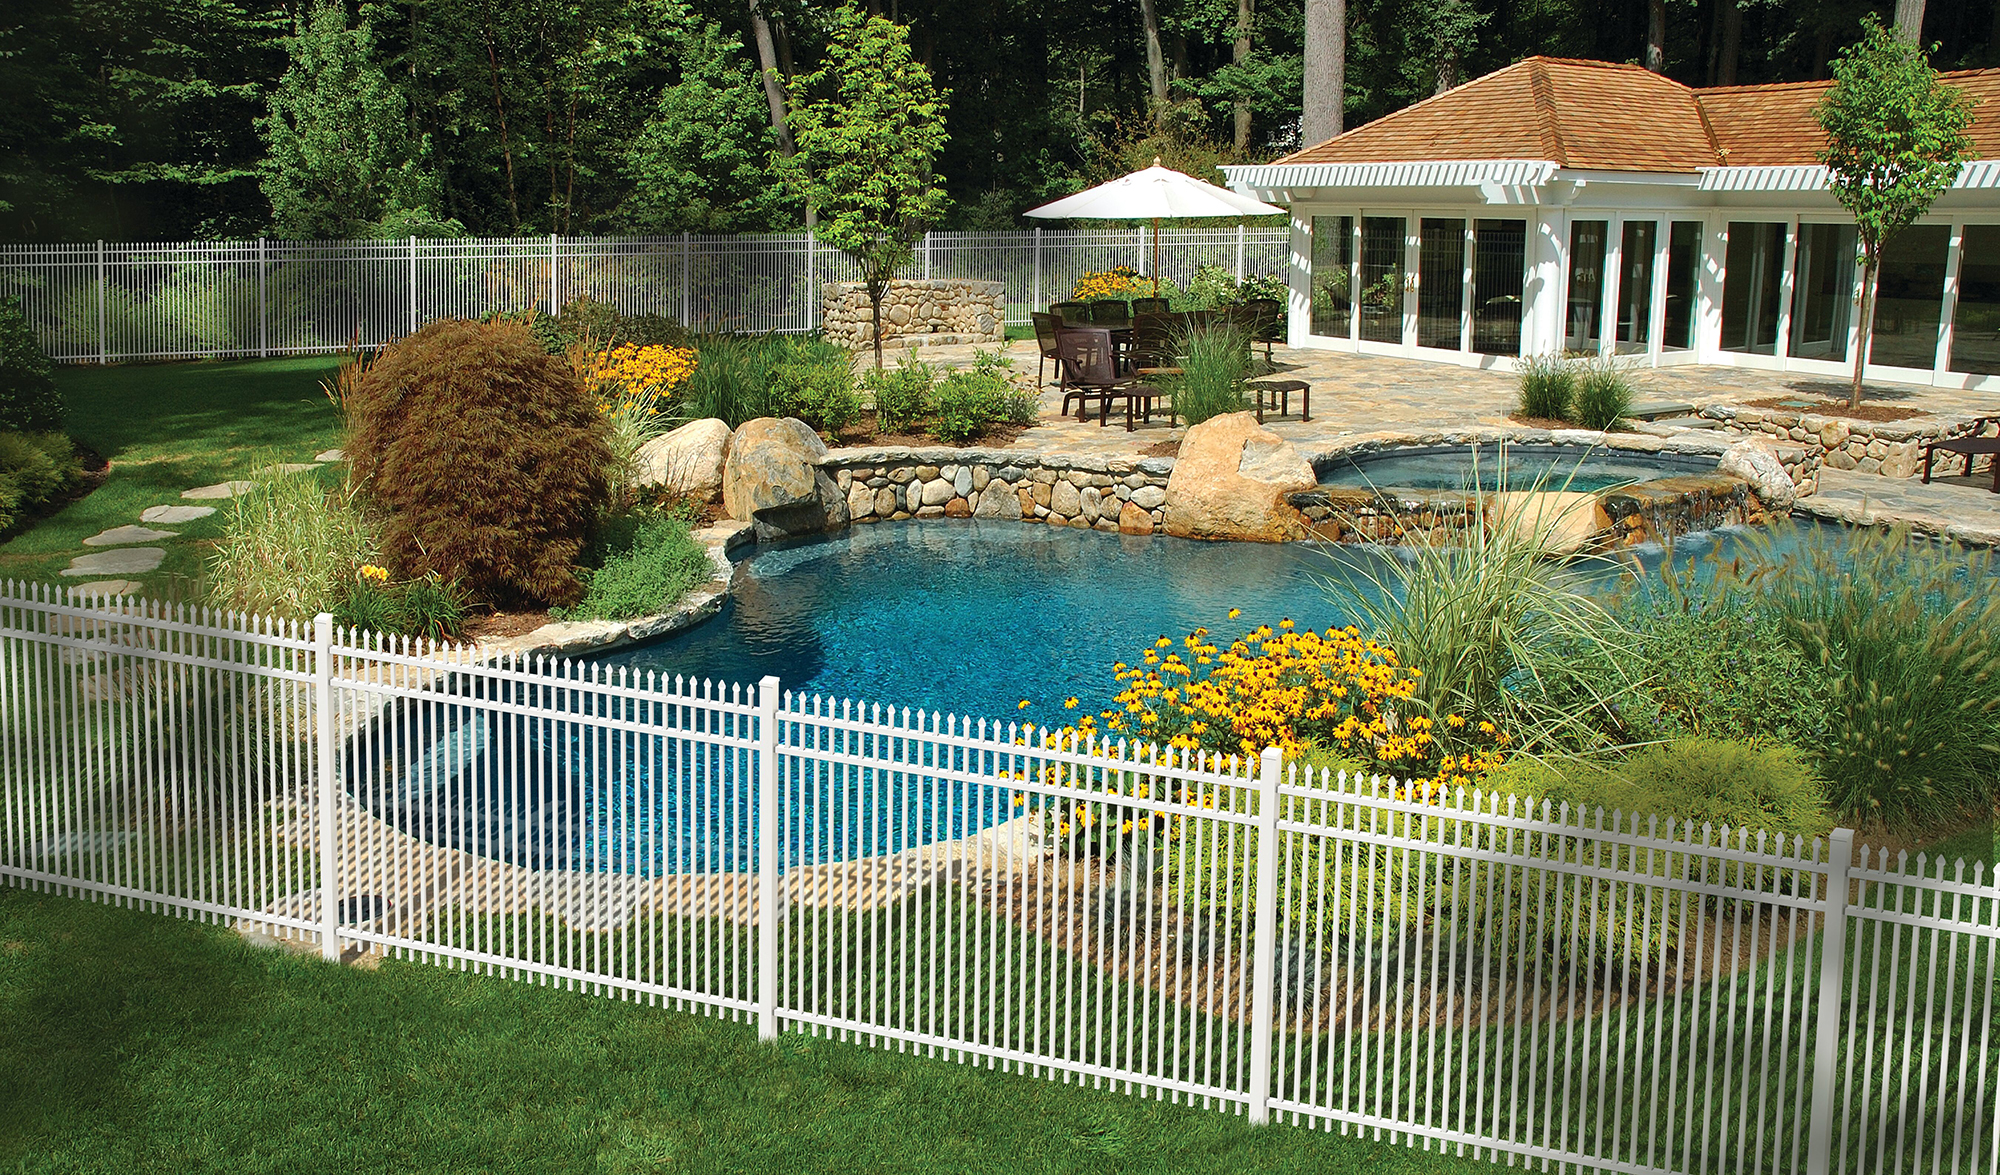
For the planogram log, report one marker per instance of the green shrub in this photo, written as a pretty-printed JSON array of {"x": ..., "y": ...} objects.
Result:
[
  {"x": 425, "y": 607},
  {"x": 1211, "y": 288},
  {"x": 1603, "y": 395},
  {"x": 485, "y": 456},
  {"x": 1694, "y": 780},
  {"x": 966, "y": 404},
  {"x": 819, "y": 393},
  {"x": 30, "y": 399},
  {"x": 731, "y": 380},
  {"x": 659, "y": 566},
  {"x": 34, "y": 469},
  {"x": 598, "y": 322},
  {"x": 1214, "y": 363},
  {"x": 291, "y": 547},
  {"x": 1911, "y": 632},
  {"x": 1548, "y": 387},
  {"x": 902, "y": 394}
]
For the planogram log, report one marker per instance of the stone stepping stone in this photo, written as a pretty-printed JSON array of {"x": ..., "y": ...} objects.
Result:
[
  {"x": 331, "y": 455},
  {"x": 120, "y": 535},
  {"x": 221, "y": 489},
  {"x": 125, "y": 561},
  {"x": 104, "y": 589},
  {"x": 175, "y": 513}
]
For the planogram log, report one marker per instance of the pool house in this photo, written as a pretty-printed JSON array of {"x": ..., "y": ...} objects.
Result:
[{"x": 1586, "y": 206}]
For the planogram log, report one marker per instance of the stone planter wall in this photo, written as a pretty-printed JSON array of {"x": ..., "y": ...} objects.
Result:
[
  {"x": 1098, "y": 493},
  {"x": 948, "y": 310},
  {"x": 1805, "y": 440}
]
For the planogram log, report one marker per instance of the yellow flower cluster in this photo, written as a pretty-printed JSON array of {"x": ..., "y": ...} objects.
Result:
[
  {"x": 1119, "y": 282},
  {"x": 630, "y": 380},
  {"x": 370, "y": 573}
]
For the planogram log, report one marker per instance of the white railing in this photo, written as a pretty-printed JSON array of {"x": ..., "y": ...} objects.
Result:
[
  {"x": 1463, "y": 971},
  {"x": 96, "y": 303}
]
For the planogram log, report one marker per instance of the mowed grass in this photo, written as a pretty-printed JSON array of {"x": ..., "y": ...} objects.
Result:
[
  {"x": 169, "y": 427},
  {"x": 135, "y": 1042}
]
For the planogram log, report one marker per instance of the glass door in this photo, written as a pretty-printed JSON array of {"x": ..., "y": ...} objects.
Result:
[
  {"x": 1383, "y": 245},
  {"x": 1441, "y": 283},
  {"x": 1635, "y": 287},
  {"x": 1583, "y": 331}
]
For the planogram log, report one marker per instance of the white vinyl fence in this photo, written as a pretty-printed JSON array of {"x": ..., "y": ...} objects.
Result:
[
  {"x": 97, "y": 303},
  {"x": 1463, "y": 972}
]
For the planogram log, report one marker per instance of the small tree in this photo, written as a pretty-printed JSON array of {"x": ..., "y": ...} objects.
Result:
[
  {"x": 867, "y": 132},
  {"x": 1895, "y": 140}
]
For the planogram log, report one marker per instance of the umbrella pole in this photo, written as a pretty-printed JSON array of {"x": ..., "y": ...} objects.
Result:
[{"x": 1156, "y": 254}]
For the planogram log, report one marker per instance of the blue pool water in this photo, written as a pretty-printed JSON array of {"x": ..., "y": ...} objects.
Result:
[
  {"x": 961, "y": 617},
  {"x": 1520, "y": 467}
]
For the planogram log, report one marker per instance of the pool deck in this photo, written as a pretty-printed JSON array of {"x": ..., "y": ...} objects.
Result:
[{"x": 1357, "y": 398}]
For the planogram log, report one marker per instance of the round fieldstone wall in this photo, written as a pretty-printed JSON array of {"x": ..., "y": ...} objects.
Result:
[{"x": 943, "y": 311}]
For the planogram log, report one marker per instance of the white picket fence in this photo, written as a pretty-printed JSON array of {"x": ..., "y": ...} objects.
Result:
[
  {"x": 1451, "y": 971},
  {"x": 99, "y": 302}
]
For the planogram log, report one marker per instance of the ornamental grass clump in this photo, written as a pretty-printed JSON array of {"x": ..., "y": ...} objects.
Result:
[
  {"x": 484, "y": 459},
  {"x": 1548, "y": 387},
  {"x": 1603, "y": 395},
  {"x": 1215, "y": 365},
  {"x": 291, "y": 547}
]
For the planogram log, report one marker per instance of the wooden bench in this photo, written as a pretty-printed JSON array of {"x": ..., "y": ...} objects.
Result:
[{"x": 1971, "y": 445}]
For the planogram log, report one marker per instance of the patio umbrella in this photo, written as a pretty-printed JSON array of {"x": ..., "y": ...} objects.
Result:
[{"x": 1154, "y": 194}]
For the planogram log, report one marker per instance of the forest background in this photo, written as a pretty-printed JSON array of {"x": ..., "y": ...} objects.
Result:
[{"x": 176, "y": 119}]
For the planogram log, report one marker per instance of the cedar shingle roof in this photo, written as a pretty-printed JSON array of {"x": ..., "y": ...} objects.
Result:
[{"x": 1603, "y": 116}]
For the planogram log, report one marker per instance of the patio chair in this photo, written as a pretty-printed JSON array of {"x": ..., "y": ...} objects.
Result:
[
  {"x": 1090, "y": 371},
  {"x": 1111, "y": 312},
  {"x": 1150, "y": 306},
  {"x": 1074, "y": 315},
  {"x": 1153, "y": 336},
  {"x": 1046, "y": 326},
  {"x": 1266, "y": 320},
  {"x": 1972, "y": 444}
]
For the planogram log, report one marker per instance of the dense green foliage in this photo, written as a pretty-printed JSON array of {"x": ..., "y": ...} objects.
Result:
[
  {"x": 1603, "y": 394},
  {"x": 34, "y": 469},
  {"x": 29, "y": 397},
  {"x": 484, "y": 457},
  {"x": 427, "y": 607},
  {"x": 901, "y": 394},
  {"x": 1694, "y": 780},
  {"x": 650, "y": 563},
  {"x": 814, "y": 381}
]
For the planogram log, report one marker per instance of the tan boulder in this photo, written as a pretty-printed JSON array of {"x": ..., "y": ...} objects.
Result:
[
  {"x": 1231, "y": 482},
  {"x": 772, "y": 479},
  {"x": 1560, "y": 522},
  {"x": 1133, "y": 519},
  {"x": 688, "y": 462}
]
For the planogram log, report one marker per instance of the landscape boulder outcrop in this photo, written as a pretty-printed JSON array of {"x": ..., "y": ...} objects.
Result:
[
  {"x": 1231, "y": 481},
  {"x": 1761, "y": 468},
  {"x": 772, "y": 480},
  {"x": 687, "y": 462},
  {"x": 1559, "y": 522}
]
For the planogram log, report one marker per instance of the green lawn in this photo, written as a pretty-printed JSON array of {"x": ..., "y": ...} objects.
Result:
[
  {"x": 134, "y": 1042},
  {"x": 169, "y": 427}
]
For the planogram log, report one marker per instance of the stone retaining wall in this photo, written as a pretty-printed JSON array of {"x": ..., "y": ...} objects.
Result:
[
  {"x": 943, "y": 311},
  {"x": 1888, "y": 448},
  {"x": 1120, "y": 496}
]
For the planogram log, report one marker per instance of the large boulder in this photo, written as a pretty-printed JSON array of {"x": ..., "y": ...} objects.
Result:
[
  {"x": 1560, "y": 522},
  {"x": 687, "y": 462},
  {"x": 772, "y": 480},
  {"x": 1757, "y": 465},
  {"x": 1231, "y": 482}
]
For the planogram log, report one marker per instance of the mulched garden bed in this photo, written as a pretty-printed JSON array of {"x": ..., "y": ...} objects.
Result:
[{"x": 1879, "y": 413}]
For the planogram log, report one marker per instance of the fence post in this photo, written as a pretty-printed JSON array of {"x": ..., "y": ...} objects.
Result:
[
  {"x": 927, "y": 254},
  {"x": 770, "y": 859},
  {"x": 1141, "y": 246},
  {"x": 555, "y": 291},
  {"x": 103, "y": 348},
  {"x": 1239, "y": 254},
  {"x": 1832, "y": 966},
  {"x": 812, "y": 279},
  {"x": 323, "y": 723},
  {"x": 687, "y": 279},
  {"x": 1035, "y": 299},
  {"x": 263, "y": 301},
  {"x": 413, "y": 284},
  {"x": 1263, "y": 980}
]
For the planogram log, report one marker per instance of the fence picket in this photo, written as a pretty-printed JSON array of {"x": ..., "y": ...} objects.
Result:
[{"x": 1548, "y": 986}]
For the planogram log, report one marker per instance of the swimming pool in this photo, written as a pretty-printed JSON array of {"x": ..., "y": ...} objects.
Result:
[{"x": 1519, "y": 467}]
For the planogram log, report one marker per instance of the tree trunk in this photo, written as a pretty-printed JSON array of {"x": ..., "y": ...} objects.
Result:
[
  {"x": 1656, "y": 35},
  {"x": 1865, "y": 328},
  {"x": 1241, "y": 55},
  {"x": 1447, "y": 72},
  {"x": 876, "y": 287},
  {"x": 1156, "y": 61},
  {"x": 506, "y": 146},
  {"x": 1910, "y": 20},
  {"x": 774, "y": 87},
  {"x": 1325, "y": 71},
  {"x": 1732, "y": 42}
]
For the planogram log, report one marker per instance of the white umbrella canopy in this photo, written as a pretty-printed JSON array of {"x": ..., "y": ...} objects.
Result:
[{"x": 1154, "y": 194}]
